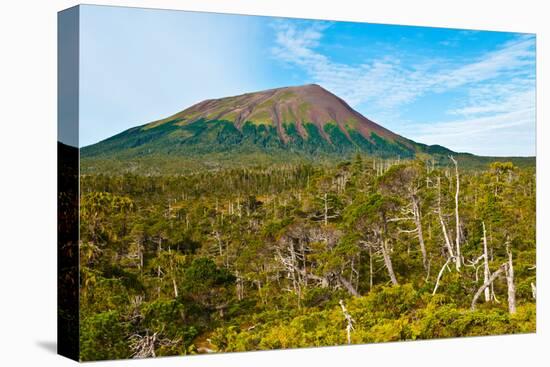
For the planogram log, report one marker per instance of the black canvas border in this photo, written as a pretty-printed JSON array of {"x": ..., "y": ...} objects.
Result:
[{"x": 68, "y": 22}]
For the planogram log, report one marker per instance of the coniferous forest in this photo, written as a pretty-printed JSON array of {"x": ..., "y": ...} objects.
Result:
[{"x": 300, "y": 255}]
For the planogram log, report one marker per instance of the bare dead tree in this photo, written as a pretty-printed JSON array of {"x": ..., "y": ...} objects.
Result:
[
  {"x": 440, "y": 274},
  {"x": 173, "y": 272},
  {"x": 349, "y": 320},
  {"x": 326, "y": 208},
  {"x": 486, "y": 271},
  {"x": 159, "y": 271},
  {"x": 340, "y": 181},
  {"x": 457, "y": 217},
  {"x": 144, "y": 346},
  {"x": 371, "y": 270},
  {"x": 328, "y": 211},
  {"x": 218, "y": 237},
  {"x": 239, "y": 286},
  {"x": 508, "y": 269},
  {"x": 346, "y": 284},
  {"x": 419, "y": 233},
  {"x": 473, "y": 264},
  {"x": 510, "y": 280},
  {"x": 407, "y": 181},
  {"x": 377, "y": 240},
  {"x": 292, "y": 251},
  {"x": 439, "y": 211},
  {"x": 135, "y": 305},
  {"x": 289, "y": 261},
  {"x": 387, "y": 261},
  {"x": 488, "y": 291},
  {"x": 491, "y": 279}
]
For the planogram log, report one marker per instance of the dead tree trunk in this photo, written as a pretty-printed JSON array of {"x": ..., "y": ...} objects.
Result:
[
  {"x": 354, "y": 272},
  {"x": 326, "y": 209},
  {"x": 350, "y": 321},
  {"x": 457, "y": 217},
  {"x": 173, "y": 273},
  {"x": 295, "y": 276},
  {"x": 143, "y": 346},
  {"x": 418, "y": 223},
  {"x": 387, "y": 261},
  {"x": 487, "y": 284},
  {"x": 446, "y": 265},
  {"x": 486, "y": 271},
  {"x": 510, "y": 281},
  {"x": 175, "y": 288},
  {"x": 140, "y": 258},
  {"x": 346, "y": 284},
  {"x": 448, "y": 243},
  {"x": 159, "y": 250},
  {"x": 292, "y": 267},
  {"x": 371, "y": 270}
]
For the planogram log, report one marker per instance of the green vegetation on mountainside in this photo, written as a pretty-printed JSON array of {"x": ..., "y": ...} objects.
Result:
[{"x": 171, "y": 148}]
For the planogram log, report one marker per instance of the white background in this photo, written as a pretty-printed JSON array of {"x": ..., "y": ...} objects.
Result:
[{"x": 28, "y": 181}]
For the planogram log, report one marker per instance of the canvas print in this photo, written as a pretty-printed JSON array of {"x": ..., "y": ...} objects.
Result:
[{"x": 236, "y": 183}]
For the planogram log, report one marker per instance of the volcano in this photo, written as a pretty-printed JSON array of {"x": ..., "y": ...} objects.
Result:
[
  {"x": 278, "y": 108},
  {"x": 275, "y": 125}
]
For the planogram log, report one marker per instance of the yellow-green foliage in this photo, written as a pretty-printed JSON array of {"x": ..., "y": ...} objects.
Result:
[
  {"x": 240, "y": 259},
  {"x": 351, "y": 123},
  {"x": 261, "y": 117},
  {"x": 384, "y": 315}
]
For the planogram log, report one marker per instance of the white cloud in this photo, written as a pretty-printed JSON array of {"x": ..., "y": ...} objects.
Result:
[
  {"x": 501, "y": 124},
  {"x": 512, "y": 58},
  {"x": 500, "y": 88},
  {"x": 387, "y": 82},
  {"x": 498, "y": 99},
  {"x": 504, "y": 134}
]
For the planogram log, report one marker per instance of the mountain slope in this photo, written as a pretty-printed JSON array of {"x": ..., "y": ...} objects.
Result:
[
  {"x": 275, "y": 125},
  {"x": 307, "y": 118},
  {"x": 277, "y": 107}
]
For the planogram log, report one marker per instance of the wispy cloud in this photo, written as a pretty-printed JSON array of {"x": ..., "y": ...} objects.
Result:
[
  {"x": 496, "y": 135},
  {"x": 513, "y": 58},
  {"x": 498, "y": 120},
  {"x": 497, "y": 98},
  {"x": 387, "y": 81},
  {"x": 499, "y": 85}
]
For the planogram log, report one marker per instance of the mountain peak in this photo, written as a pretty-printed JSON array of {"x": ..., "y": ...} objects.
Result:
[
  {"x": 277, "y": 107},
  {"x": 304, "y": 87},
  {"x": 277, "y": 124}
]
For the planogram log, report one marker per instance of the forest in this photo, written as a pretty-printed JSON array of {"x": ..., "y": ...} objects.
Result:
[{"x": 301, "y": 255}]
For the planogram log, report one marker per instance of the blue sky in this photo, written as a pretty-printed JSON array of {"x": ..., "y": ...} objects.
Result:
[{"x": 471, "y": 91}]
